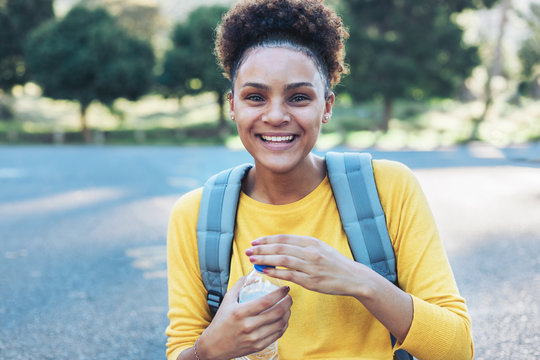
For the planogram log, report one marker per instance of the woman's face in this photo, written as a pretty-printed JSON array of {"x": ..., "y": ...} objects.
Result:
[{"x": 279, "y": 104}]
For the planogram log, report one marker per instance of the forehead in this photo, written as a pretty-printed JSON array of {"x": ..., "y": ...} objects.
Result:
[{"x": 269, "y": 64}]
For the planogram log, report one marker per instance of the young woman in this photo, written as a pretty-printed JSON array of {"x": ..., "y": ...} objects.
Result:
[{"x": 283, "y": 57}]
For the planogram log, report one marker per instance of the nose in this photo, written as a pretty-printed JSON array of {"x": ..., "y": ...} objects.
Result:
[{"x": 276, "y": 115}]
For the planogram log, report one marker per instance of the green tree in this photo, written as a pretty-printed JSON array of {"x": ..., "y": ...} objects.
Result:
[
  {"x": 17, "y": 19},
  {"x": 405, "y": 49},
  {"x": 529, "y": 54},
  {"x": 190, "y": 66},
  {"x": 87, "y": 56},
  {"x": 494, "y": 65}
]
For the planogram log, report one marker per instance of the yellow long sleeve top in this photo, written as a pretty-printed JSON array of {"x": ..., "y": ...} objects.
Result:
[{"x": 327, "y": 326}]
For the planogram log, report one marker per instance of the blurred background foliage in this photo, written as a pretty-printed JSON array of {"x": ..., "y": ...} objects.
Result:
[{"x": 423, "y": 73}]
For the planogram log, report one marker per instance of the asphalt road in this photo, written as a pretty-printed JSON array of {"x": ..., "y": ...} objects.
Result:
[{"x": 83, "y": 231}]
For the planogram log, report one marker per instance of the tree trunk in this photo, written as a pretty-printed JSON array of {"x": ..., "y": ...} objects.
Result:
[
  {"x": 223, "y": 128},
  {"x": 7, "y": 102},
  {"x": 387, "y": 112},
  {"x": 84, "y": 126},
  {"x": 494, "y": 70}
]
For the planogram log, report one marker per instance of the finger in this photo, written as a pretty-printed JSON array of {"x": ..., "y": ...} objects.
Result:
[
  {"x": 302, "y": 241},
  {"x": 262, "y": 338},
  {"x": 298, "y": 277},
  {"x": 303, "y": 254},
  {"x": 279, "y": 248},
  {"x": 295, "y": 262},
  {"x": 232, "y": 294},
  {"x": 264, "y": 303},
  {"x": 274, "y": 320},
  {"x": 271, "y": 333}
]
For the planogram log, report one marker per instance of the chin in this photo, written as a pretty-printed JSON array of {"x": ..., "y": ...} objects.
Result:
[{"x": 278, "y": 164}]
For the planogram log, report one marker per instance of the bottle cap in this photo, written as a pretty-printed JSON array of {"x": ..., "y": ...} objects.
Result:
[{"x": 260, "y": 268}]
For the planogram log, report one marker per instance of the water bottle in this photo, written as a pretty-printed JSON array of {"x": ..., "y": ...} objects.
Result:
[{"x": 257, "y": 284}]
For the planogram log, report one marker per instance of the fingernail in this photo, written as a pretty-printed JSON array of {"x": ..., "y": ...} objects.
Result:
[
  {"x": 249, "y": 252},
  {"x": 255, "y": 242},
  {"x": 252, "y": 259}
]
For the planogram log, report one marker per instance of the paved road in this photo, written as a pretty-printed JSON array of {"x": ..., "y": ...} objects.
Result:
[{"x": 82, "y": 236}]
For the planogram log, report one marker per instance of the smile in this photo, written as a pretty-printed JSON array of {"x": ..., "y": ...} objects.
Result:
[{"x": 277, "y": 139}]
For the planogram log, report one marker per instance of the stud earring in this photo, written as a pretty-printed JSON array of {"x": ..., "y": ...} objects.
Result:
[
  {"x": 232, "y": 117},
  {"x": 326, "y": 117}
]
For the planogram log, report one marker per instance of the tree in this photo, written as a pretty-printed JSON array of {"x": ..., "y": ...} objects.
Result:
[
  {"x": 190, "y": 66},
  {"x": 494, "y": 67},
  {"x": 405, "y": 49},
  {"x": 139, "y": 18},
  {"x": 529, "y": 54},
  {"x": 17, "y": 19},
  {"x": 85, "y": 57}
]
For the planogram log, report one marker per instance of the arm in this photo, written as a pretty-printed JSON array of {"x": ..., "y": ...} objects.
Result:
[
  {"x": 427, "y": 316},
  {"x": 316, "y": 266},
  {"x": 441, "y": 326},
  {"x": 236, "y": 329}
]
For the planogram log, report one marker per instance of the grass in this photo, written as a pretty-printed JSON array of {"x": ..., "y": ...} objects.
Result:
[{"x": 154, "y": 120}]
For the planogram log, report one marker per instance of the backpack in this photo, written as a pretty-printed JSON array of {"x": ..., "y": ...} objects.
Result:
[{"x": 362, "y": 217}]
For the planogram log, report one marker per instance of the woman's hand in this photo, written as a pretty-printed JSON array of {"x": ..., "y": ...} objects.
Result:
[
  {"x": 309, "y": 263},
  {"x": 317, "y": 266},
  {"x": 240, "y": 329}
]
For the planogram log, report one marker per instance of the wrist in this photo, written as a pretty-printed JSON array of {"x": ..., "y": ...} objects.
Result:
[
  {"x": 200, "y": 349},
  {"x": 197, "y": 357},
  {"x": 366, "y": 287},
  {"x": 204, "y": 349}
]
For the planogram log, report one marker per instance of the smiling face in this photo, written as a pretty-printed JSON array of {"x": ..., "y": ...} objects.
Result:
[{"x": 279, "y": 104}]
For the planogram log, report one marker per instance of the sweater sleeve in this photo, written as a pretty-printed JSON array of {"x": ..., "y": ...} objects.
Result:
[
  {"x": 441, "y": 326},
  {"x": 188, "y": 311}
]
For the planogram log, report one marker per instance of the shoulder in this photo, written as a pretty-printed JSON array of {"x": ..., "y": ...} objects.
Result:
[
  {"x": 392, "y": 175},
  {"x": 397, "y": 186},
  {"x": 187, "y": 204}
]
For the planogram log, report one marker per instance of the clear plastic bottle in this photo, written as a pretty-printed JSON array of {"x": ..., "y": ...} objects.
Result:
[{"x": 257, "y": 284}]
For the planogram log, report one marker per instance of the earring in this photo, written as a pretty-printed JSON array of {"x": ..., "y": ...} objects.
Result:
[
  {"x": 326, "y": 117},
  {"x": 232, "y": 117}
]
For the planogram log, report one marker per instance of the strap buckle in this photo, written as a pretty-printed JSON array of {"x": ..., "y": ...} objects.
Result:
[{"x": 214, "y": 299}]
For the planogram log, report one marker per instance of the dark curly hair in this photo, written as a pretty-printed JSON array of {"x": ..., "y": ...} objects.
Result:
[{"x": 308, "y": 26}]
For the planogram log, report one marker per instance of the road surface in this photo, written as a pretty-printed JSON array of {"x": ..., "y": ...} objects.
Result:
[{"x": 83, "y": 231}]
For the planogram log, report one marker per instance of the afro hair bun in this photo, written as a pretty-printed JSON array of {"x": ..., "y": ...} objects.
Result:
[{"x": 309, "y": 22}]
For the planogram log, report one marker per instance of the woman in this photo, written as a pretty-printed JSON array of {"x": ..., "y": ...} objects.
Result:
[{"x": 283, "y": 57}]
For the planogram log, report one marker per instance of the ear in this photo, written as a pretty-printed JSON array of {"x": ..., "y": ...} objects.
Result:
[
  {"x": 328, "y": 105},
  {"x": 230, "y": 98}
]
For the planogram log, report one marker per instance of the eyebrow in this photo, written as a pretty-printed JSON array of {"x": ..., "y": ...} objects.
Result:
[
  {"x": 287, "y": 87},
  {"x": 298, "y": 85}
]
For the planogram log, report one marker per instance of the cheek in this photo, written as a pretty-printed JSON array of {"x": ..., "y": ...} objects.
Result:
[{"x": 309, "y": 117}]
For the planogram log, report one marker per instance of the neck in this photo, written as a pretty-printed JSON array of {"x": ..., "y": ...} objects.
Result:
[{"x": 285, "y": 188}]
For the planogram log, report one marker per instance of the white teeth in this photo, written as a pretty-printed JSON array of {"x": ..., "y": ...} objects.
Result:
[{"x": 278, "y": 138}]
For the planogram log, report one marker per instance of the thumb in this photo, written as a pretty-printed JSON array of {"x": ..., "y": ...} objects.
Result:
[{"x": 232, "y": 294}]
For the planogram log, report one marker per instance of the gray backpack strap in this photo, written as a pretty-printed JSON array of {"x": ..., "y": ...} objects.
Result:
[
  {"x": 353, "y": 184},
  {"x": 362, "y": 216},
  {"x": 215, "y": 230}
]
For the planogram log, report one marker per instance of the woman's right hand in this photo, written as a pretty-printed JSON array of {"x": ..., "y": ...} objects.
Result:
[{"x": 240, "y": 329}]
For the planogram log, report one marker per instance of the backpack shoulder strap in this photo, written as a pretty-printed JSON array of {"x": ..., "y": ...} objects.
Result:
[
  {"x": 215, "y": 230},
  {"x": 353, "y": 184}
]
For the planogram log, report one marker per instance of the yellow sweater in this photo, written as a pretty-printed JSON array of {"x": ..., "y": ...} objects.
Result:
[{"x": 325, "y": 326}]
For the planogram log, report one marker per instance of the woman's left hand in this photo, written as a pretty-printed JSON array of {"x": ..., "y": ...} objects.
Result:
[{"x": 310, "y": 263}]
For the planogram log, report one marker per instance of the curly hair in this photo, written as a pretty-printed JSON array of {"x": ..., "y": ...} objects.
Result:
[{"x": 305, "y": 25}]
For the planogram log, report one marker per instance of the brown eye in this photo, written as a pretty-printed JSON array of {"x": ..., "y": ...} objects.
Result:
[
  {"x": 256, "y": 98},
  {"x": 299, "y": 98}
]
